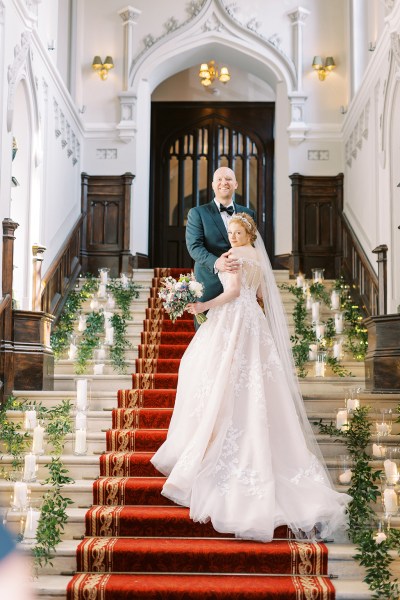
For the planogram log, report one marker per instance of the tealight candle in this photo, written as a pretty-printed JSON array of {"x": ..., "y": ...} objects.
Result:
[
  {"x": 80, "y": 420},
  {"x": 391, "y": 472},
  {"x": 29, "y": 467},
  {"x": 30, "y": 420},
  {"x": 352, "y": 404},
  {"x": 37, "y": 445},
  {"x": 20, "y": 495},
  {"x": 80, "y": 441},
  {"x": 81, "y": 394},
  {"x": 390, "y": 500},
  {"x": 342, "y": 419},
  {"x": 31, "y": 524},
  {"x": 315, "y": 310},
  {"x": 378, "y": 450},
  {"x": 98, "y": 369},
  {"x": 345, "y": 477},
  {"x": 335, "y": 300}
]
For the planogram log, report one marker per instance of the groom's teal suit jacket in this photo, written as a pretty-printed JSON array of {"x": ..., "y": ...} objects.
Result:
[{"x": 206, "y": 240}]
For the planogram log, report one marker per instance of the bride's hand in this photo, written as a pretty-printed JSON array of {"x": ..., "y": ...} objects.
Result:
[{"x": 195, "y": 308}]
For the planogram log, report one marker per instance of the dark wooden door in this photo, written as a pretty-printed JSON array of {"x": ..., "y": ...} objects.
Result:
[{"x": 189, "y": 141}]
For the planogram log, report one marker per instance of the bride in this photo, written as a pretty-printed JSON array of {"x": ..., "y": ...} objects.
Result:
[{"x": 240, "y": 450}]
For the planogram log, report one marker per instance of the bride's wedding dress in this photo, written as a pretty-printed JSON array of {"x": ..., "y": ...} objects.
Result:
[{"x": 236, "y": 452}]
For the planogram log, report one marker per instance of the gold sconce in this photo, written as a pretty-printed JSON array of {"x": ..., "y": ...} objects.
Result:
[
  {"x": 209, "y": 73},
  {"x": 323, "y": 69},
  {"x": 102, "y": 68}
]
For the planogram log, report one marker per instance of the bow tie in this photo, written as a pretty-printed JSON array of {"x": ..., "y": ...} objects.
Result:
[{"x": 229, "y": 209}]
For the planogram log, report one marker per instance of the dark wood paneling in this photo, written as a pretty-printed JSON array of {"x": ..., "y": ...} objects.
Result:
[
  {"x": 6, "y": 342},
  {"x": 106, "y": 202},
  {"x": 317, "y": 207},
  {"x": 32, "y": 353},
  {"x": 382, "y": 363}
]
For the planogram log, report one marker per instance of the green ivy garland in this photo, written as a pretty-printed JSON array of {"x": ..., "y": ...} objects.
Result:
[
  {"x": 121, "y": 343},
  {"x": 14, "y": 439},
  {"x": 304, "y": 334},
  {"x": 375, "y": 557},
  {"x": 60, "y": 337},
  {"x": 123, "y": 295},
  {"x": 90, "y": 340}
]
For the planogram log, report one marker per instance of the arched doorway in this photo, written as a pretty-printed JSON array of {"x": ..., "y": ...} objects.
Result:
[{"x": 189, "y": 141}]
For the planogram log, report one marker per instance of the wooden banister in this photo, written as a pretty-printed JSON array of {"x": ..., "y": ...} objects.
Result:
[
  {"x": 62, "y": 273},
  {"x": 5, "y": 303}
]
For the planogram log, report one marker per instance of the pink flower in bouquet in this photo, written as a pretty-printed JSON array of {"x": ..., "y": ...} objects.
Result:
[{"x": 177, "y": 294}]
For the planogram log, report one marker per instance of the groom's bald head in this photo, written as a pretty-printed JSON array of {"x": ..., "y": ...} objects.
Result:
[{"x": 224, "y": 185}]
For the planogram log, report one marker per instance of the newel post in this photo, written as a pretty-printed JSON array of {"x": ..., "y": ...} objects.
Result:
[
  {"x": 381, "y": 252},
  {"x": 7, "y": 346}
]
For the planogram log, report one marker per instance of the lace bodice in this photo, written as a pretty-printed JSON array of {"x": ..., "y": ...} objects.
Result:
[{"x": 250, "y": 275}]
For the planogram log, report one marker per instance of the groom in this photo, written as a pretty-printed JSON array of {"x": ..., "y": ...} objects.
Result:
[{"x": 207, "y": 233}]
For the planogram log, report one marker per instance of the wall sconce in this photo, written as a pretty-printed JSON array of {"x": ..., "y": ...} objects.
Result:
[
  {"x": 102, "y": 68},
  {"x": 323, "y": 69},
  {"x": 210, "y": 72}
]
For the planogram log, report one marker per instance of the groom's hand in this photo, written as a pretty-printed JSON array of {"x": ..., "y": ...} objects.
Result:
[{"x": 227, "y": 263}]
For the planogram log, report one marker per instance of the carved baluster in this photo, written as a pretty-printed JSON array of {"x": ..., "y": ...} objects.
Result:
[
  {"x": 37, "y": 258},
  {"x": 381, "y": 251}
]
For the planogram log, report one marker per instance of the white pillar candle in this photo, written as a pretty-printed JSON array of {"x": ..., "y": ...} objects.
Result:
[
  {"x": 110, "y": 336},
  {"x": 73, "y": 351},
  {"x": 315, "y": 311},
  {"x": 390, "y": 500},
  {"x": 319, "y": 369},
  {"x": 80, "y": 441},
  {"x": 81, "y": 394},
  {"x": 342, "y": 419},
  {"x": 319, "y": 330},
  {"x": 37, "y": 445},
  {"x": 98, "y": 369},
  {"x": 104, "y": 276},
  {"x": 29, "y": 467},
  {"x": 107, "y": 319},
  {"x": 101, "y": 293},
  {"x": 308, "y": 302},
  {"x": 82, "y": 323},
  {"x": 31, "y": 524},
  {"x": 110, "y": 302},
  {"x": 30, "y": 420},
  {"x": 100, "y": 353},
  {"x": 352, "y": 404},
  {"x": 335, "y": 300},
  {"x": 124, "y": 280},
  {"x": 345, "y": 477},
  {"x": 382, "y": 428},
  {"x": 300, "y": 280},
  {"x": 20, "y": 497},
  {"x": 80, "y": 420},
  {"x": 337, "y": 350},
  {"x": 391, "y": 472},
  {"x": 339, "y": 322},
  {"x": 312, "y": 353},
  {"x": 94, "y": 304},
  {"x": 378, "y": 450}
]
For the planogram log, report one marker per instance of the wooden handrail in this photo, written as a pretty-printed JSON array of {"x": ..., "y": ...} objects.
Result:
[
  {"x": 5, "y": 302},
  {"x": 358, "y": 270},
  {"x": 57, "y": 259}
]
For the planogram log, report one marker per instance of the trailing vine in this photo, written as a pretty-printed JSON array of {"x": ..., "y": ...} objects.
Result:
[
  {"x": 123, "y": 295},
  {"x": 60, "y": 337},
  {"x": 121, "y": 343},
  {"x": 372, "y": 554},
  {"x": 304, "y": 334},
  {"x": 90, "y": 340},
  {"x": 14, "y": 439}
]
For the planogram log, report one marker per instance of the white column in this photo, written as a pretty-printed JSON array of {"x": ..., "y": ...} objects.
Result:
[
  {"x": 358, "y": 43},
  {"x": 298, "y": 18},
  {"x": 128, "y": 16}
]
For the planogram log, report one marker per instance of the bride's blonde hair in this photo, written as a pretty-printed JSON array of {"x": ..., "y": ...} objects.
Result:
[{"x": 248, "y": 223}]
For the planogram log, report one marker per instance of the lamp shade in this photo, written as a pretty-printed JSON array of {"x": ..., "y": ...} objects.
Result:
[
  {"x": 224, "y": 76},
  {"x": 108, "y": 63},
  {"x": 97, "y": 64},
  {"x": 206, "y": 81},
  {"x": 317, "y": 62},
  {"x": 204, "y": 72},
  {"x": 329, "y": 63}
]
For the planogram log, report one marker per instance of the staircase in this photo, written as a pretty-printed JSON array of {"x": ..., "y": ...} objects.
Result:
[{"x": 134, "y": 532}]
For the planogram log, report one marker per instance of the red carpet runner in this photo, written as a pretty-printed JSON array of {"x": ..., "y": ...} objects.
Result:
[{"x": 139, "y": 544}]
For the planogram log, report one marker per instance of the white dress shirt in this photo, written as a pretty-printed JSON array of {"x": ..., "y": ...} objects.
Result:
[{"x": 224, "y": 215}]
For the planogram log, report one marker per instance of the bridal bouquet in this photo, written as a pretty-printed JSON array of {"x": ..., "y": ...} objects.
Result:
[{"x": 177, "y": 294}]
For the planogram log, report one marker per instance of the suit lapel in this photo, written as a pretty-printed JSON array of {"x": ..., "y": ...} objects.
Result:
[{"x": 218, "y": 220}]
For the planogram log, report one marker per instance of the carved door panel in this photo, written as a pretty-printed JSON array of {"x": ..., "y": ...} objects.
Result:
[{"x": 191, "y": 140}]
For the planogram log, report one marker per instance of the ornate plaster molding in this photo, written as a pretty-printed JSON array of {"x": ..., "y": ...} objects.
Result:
[
  {"x": 359, "y": 133},
  {"x": 15, "y": 70},
  {"x": 129, "y": 14},
  {"x": 127, "y": 126}
]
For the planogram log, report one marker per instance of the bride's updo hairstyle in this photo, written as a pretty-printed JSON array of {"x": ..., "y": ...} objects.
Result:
[{"x": 248, "y": 223}]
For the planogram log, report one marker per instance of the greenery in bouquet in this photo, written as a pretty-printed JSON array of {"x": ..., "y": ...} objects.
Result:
[{"x": 177, "y": 294}]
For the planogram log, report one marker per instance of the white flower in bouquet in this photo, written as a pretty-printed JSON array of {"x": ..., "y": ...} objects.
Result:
[{"x": 196, "y": 287}]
